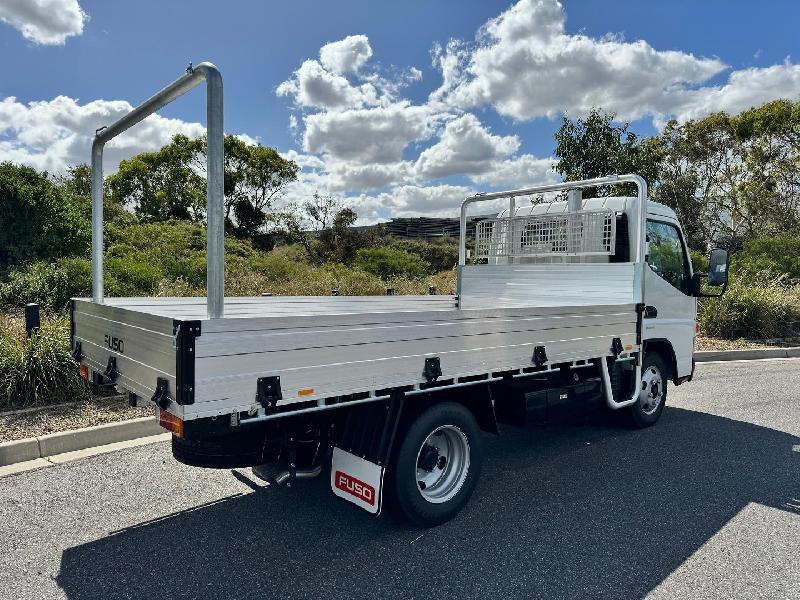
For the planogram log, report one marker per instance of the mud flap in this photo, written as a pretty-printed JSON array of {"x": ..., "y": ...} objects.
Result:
[{"x": 357, "y": 480}]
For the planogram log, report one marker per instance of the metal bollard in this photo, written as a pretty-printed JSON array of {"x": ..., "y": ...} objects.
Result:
[{"x": 32, "y": 319}]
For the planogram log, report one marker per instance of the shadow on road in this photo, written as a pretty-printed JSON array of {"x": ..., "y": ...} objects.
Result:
[{"x": 593, "y": 511}]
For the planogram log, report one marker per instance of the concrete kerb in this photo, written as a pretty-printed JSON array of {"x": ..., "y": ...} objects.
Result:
[
  {"x": 77, "y": 439},
  {"x": 746, "y": 354}
]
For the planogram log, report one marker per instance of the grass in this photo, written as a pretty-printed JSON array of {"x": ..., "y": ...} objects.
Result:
[{"x": 40, "y": 370}]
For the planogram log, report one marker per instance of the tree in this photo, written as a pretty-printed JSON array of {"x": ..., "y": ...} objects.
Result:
[
  {"x": 170, "y": 183},
  {"x": 37, "y": 220},
  {"x": 731, "y": 179},
  {"x": 162, "y": 185},
  {"x": 770, "y": 139},
  {"x": 255, "y": 176},
  {"x": 597, "y": 147},
  {"x": 78, "y": 181},
  {"x": 323, "y": 228}
]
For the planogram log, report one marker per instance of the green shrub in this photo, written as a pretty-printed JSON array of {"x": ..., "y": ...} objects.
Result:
[
  {"x": 49, "y": 284},
  {"x": 130, "y": 277},
  {"x": 778, "y": 254},
  {"x": 39, "y": 370},
  {"x": 755, "y": 306},
  {"x": 441, "y": 254},
  {"x": 388, "y": 263},
  {"x": 38, "y": 220}
]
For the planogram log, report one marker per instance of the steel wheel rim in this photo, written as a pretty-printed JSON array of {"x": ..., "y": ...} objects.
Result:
[
  {"x": 439, "y": 479},
  {"x": 651, "y": 392}
]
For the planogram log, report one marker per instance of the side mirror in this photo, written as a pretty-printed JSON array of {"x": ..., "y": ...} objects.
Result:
[
  {"x": 717, "y": 275},
  {"x": 718, "y": 267}
]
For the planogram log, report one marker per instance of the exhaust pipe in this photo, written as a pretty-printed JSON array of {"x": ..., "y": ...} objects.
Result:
[{"x": 284, "y": 477}]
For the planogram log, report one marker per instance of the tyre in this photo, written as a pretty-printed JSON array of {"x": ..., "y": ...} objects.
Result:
[
  {"x": 437, "y": 464},
  {"x": 652, "y": 392}
]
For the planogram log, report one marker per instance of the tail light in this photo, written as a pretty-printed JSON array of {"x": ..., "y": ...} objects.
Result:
[{"x": 170, "y": 422}]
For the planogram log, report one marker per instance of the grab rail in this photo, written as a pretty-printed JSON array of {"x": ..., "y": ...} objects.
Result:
[{"x": 215, "y": 269}]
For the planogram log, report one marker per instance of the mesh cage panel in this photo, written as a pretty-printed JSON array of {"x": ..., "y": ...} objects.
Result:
[{"x": 584, "y": 233}]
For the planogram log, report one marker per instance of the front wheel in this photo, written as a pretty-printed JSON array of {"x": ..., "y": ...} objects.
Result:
[
  {"x": 437, "y": 464},
  {"x": 652, "y": 392}
]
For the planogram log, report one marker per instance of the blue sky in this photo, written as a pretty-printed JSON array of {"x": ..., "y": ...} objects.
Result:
[{"x": 382, "y": 137}]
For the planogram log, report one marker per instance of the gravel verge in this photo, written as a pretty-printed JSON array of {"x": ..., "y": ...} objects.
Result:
[{"x": 51, "y": 419}]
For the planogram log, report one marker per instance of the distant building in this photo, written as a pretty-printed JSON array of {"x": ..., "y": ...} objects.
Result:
[{"x": 428, "y": 227}]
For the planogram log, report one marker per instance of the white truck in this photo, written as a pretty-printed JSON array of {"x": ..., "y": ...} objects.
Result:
[{"x": 561, "y": 306}]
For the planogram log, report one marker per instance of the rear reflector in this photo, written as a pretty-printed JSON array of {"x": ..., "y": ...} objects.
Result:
[
  {"x": 84, "y": 372},
  {"x": 305, "y": 392},
  {"x": 170, "y": 422}
]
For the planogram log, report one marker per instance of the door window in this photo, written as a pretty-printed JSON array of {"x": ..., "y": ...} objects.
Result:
[{"x": 666, "y": 255}]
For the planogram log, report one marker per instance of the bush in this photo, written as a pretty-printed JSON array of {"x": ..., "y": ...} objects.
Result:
[
  {"x": 441, "y": 254},
  {"x": 778, "y": 254},
  {"x": 388, "y": 263},
  {"x": 755, "y": 306},
  {"x": 49, "y": 284},
  {"x": 39, "y": 370},
  {"x": 39, "y": 221},
  {"x": 130, "y": 277}
]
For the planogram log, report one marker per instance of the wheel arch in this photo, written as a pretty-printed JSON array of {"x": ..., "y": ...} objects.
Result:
[
  {"x": 475, "y": 398},
  {"x": 663, "y": 347}
]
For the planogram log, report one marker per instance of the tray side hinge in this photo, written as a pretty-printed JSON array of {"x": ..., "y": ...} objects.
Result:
[
  {"x": 539, "y": 356},
  {"x": 161, "y": 395},
  {"x": 433, "y": 369},
  {"x": 268, "y": 391}
]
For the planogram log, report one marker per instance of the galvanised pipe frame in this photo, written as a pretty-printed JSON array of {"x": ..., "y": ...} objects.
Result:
[{"x": 215, "y": 207}]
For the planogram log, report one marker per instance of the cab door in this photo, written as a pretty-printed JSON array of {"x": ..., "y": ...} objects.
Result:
[{"x": 671, "y": 308}]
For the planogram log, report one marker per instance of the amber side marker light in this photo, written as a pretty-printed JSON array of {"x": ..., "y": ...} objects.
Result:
[
  {"x": 170, "y": 422},
  {"x": 84, "y": 372}
]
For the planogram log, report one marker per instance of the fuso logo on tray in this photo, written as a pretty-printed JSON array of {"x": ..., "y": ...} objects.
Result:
[{"x": 356, "y": 487}]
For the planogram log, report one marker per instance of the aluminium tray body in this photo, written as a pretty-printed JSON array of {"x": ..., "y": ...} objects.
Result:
[{"x": 327, "y": 347}]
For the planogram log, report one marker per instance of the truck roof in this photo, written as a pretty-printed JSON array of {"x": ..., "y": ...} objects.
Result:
[{"x": 617, "y": 203}]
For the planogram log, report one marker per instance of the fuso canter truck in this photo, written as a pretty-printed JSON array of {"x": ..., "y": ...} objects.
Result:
[{"x": 559, "y": 306}]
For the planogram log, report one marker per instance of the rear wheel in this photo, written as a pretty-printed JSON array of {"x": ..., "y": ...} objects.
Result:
[
  {"x": 437, "y": 464},
  {"x": 652, "y": 392}
]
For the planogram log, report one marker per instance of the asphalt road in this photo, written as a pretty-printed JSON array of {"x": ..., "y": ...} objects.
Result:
[{"x": 704, "y": 505}]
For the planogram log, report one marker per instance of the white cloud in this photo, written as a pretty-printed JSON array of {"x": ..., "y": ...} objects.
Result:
[
  {"x": 373, "y": 135},
  {"x": 346, "y": 55},
  {"x": 518, "y": 172},
  {"x": 313, "y": 86},
  {"x": 411, "y": 201},
  {"x": 306, "y": 161},
  {"x": 55, "y": 134},
  {"x": 343, "y": 176},
  {"x": 744, "y": 89},
  {"x": 526, "y": 66},
  {"x": 465, "y": 147},
  {"x": 44, "y": 21}
]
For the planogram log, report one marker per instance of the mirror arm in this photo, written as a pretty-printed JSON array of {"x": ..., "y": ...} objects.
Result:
[{"x": 700, "y": 294}]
